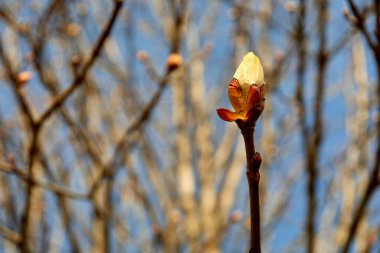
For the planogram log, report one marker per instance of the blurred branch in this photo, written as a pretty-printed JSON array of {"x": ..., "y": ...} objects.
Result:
[
  {"x": 316, "y": 137},
  {"x": 79, "y": 78},
  {"x": 124, "y": 142},
  {"x": 50, "y": 186},
  {"x": 359, "y": 22},
  {"x": 301, "y": 41},
  {"x": 374, "y": 176},
  {"x": 121, "y": 147},
  {"x": 99, "y": 155},
  {"x": 67, "y": 213},
  {"x": 253, "y": 176},
  {"x": 10, "y": 235},
  {"x": 22, "y": 29},
  {"x": 342, "y": 41},
  {"x": 12, "y": 76},
  {"x": 360, "y": 211}
]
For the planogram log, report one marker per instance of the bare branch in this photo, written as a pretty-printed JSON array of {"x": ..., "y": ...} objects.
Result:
[
  {"x": 50, "y": 186},
  {"x": 10, "y": 235},
  {"x": 79, "y": 78}
]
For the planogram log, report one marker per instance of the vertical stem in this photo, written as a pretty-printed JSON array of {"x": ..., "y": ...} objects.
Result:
[
  {"x": 249, "y": 142},
  {"x": 253, "y": 177},
  {"x": 253, "y": 182}
]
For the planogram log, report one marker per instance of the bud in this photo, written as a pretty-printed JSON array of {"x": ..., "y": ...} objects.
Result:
[
  {"x": 23, "y": 77},
  {"x": 250, "y": 72},
  {"x": 246, "y": 91},
  {"x": 174, "y": 61},
  {"x": 11, "y": 159},
  {"x": 142, "y": 55}
]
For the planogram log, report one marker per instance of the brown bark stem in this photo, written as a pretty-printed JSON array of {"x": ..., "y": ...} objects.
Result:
[{"x": 253, "y": 177}]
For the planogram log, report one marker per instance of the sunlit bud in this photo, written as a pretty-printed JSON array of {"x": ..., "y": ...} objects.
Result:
[
  {"x": 24, "y": 77},
  {"x": 250, "y": 72},
  {"x": 174, "y": 60},
  {"x": 246, "y": 91}
]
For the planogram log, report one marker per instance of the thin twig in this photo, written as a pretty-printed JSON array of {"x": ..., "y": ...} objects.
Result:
[
  {"x": 124, "y": 142},
  {"x": 301, "y": 42},
  {"x": 360, "y": 211},
  {"x": 61, "y": 98},
  {"x": 360, "y": 24},
  {"x": 253, "y": 177},
  {"x": 10, "y": 235},
  {"x": 47, "y": 185},
  {"x": 374, "y": 177}
]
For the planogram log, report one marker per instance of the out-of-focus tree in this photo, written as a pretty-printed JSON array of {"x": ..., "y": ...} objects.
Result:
[{"x": 109, "y": 140}]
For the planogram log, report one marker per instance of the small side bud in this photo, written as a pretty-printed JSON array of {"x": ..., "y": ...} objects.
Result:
[
  {"x": 174, "y": 60},
  {"x": 23, "y": 78}
]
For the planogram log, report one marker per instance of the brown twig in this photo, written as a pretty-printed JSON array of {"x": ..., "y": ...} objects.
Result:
[
  {"x": 10, "y": 235},
  {"x": 360, "y": 24},
  {"x": 315, "y": 137},
  {"x": 301, "y": 41},
  {"x": 253, "y": 177},
  {"x": 125, "y": 141},
  {"x": 374, "y": 177},
  {"x": 47, "y": 185},
  {"x": 38, "y": 124},
  {"x": 360, "y": 211}
]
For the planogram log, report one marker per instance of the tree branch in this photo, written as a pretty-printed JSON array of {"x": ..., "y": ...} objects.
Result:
[
  {"x": 10, "y": 235},
  {"x": 79, "y": 78},
  {"x": 47, "y": 185}
]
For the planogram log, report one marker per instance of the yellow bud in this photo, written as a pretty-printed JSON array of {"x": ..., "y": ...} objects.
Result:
[{"x": 250, "y": 72}]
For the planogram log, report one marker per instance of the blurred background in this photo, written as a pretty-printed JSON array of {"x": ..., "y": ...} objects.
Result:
[{"x": 110, "y": 142}]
